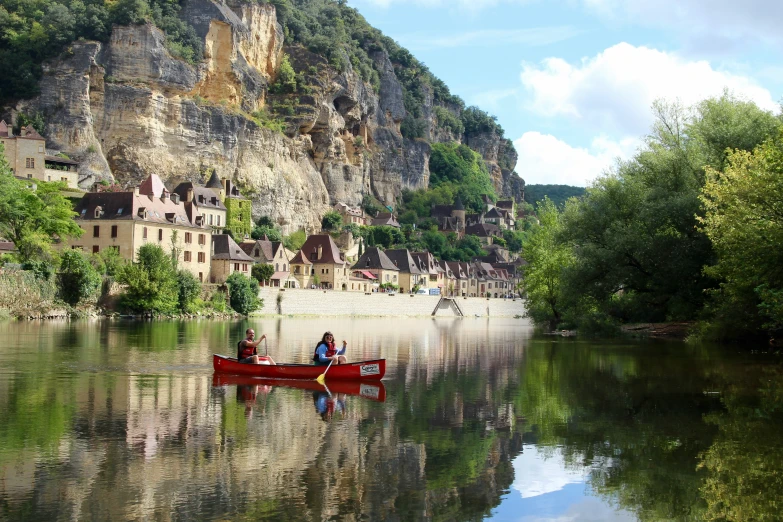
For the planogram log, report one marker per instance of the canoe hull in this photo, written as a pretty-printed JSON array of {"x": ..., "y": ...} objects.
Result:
[{"x": 362, "y": 370}]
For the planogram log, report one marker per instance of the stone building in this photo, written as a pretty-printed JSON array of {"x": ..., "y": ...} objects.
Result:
[
  {"x": 330, "y": 269},
  {"x": 410, "y": 274},
  {"x": 272, "y": 253},
  {"x": 450, "y": 218},
  {"x": 375, "y": 261},
  {"x": 124, "y": 221},
  {"x": 227, "y": 258},
  {"x": 385, "y": 219},
  {"x": 351, "y": 214},
  {"x": 27, "y": 157},
  {"x": 205, "y": 202},
  {"x": 428, "y": 266},
  {"x": 302, "y": 270},
  {"x": 238, "y": 212}
]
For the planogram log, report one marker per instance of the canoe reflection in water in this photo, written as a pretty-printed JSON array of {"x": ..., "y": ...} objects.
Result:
[{"x": 326, "y": 398}]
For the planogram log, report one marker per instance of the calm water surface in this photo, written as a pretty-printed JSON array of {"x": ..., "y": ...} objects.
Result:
[{"x": 113, "y": 420}]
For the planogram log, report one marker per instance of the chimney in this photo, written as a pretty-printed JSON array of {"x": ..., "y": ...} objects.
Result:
[
  {"x": 175, "y": 198},
  {"x": 136, "y": 191},
  {"x": 189, "y": 195},
  {"x": 320, "y": 251},
  {"x": 164, "y": 196}
]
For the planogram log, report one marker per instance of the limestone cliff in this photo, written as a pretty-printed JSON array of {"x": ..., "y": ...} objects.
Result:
[{"x": 127, "y": 108}]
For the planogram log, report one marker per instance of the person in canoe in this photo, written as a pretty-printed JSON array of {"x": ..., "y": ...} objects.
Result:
[
  {"x": 247, "y": 352},
  {"x": 326, "y": 351}
]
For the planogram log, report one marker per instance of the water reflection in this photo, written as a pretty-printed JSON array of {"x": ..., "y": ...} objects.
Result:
[{"x": 476, "y": 419}]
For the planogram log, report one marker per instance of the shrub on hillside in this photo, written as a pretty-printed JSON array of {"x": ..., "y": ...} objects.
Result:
[
  {"x": 243, "y": 294},
  {"x": 77, "y": 279}
]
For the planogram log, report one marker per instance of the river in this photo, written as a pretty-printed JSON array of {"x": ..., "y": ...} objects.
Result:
[{"x": 476, "y": 419}]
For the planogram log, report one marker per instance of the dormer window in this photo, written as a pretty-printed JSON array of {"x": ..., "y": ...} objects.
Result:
[
  {"x": 142, "y": 213},
  {"x": 119, "y": 211},
  {"x": 84, "y": 212},
  {"x": 98, "y": 212}
]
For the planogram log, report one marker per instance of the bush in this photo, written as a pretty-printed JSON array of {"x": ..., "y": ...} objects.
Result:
[
  {"x": 77, "y": 279},
  {"x": 271, "y": 233},
  {"x": 295, "y": 241},
  {"x": 189, "y": 291},
  {"x": 243, "y": 294},
  {"x": 262, "y": 272},
  {"x": 332, "y": 220},
  {"x": 285, "y": 83},
  {"x": 151, "y": 283}
]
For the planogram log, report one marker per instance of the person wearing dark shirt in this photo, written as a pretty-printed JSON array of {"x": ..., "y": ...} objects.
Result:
[{"x": 248, "y": 354}]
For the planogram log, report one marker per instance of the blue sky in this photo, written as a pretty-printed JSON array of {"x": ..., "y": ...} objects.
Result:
[{"x": 572, "y": 81}]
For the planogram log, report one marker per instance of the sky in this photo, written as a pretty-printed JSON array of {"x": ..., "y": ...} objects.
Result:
[{"x": 572, "y": 81}]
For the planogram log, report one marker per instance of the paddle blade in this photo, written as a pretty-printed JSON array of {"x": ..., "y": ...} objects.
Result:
[{"x": 321, "y": 379}]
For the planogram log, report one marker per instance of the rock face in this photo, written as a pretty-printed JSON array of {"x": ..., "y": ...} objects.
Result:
[{"x": 128, "y": 108}]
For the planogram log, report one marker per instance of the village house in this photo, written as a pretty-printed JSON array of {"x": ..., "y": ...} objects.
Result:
[
  {"x": 272, "y": 253},
  {"x": 410, "y": 275},
  {"x": 450, "y": 218},
  {"x": 238, "y": 212},
  {"x": 27, "y": 157},
  {"x": 329, "y": 265},
  {"x": 375, "y": 261},
  {"x": 461, "y": 273},
  {"x": 385, "y": 219},
  {"x": 205, "y": 202},
  {"x": 124, "y": 221},
  {"x": 227, "y": 258},
  {"x": 427, "y": 265},
  {"x": 302, "y": 270},
  {"x": 351, "y": 214},
  {"x": 485, "y": 232},
  {"x": 450, "y": 284}
]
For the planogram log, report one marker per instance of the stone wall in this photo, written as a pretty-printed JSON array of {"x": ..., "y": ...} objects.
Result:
[{"x": 336, "y": 303}]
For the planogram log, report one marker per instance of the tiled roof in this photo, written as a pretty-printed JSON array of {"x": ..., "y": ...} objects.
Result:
[
  {"x": 375, "y": 258},
  {"x": 426, "y": 262},
  {"x": 385, "y": 218},
  {"x": 264, "y": 245},
  {"x": 128, "y": 205},
  {"x": 214, "y": 182},
  {"x": 402, "y": 259},
  {"x": 58, "y": 159},
  {"x": 203, "y": 197},
  {"x": 224, "y": 247},
  {"x": 441, "y": 210},
  {"x": 330, "y": 254},
  {"x": 300, "y": 259},
  {"x": 483, "y": 230},
  {"x": 493, "y": 213}
]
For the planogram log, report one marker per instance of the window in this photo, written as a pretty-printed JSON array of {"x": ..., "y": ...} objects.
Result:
[
  {"x": 40, "y": 148},
  {"x": 284, "y": 270},
  {"x": 201, "y": 257},
  {"x": 96, "y": 231},
  {"x": 188, "y": 237},
  {"x": 387, "y": 278},
  {"x": 144, "y": 233},
  {"x": 323, "y": 271},
  {"x": 236, "y": 267},
  {"x": 276, "y": 267},
  {"x": 64, "y": 179},
  {"x": 244, "y": 267},
  {"x": 218, "y": 220},
  {"x": 160, "y": 234},
  {"x": 29, "y": 176},
  {"x": 210, "y": 219},
  {"x": 202, "y": 239},
  {"x": 187, "y": 256},
  {"x": 29, "y": 163},
  {"x": 201, "y": 277},
  {"x": 114, "y": 231},
  {"x": 95, "y": 249}
]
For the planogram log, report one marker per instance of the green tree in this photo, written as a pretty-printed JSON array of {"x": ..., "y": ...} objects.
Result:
[
  {"x": 189, "y": 291},
  {"x": 464, "y": 169},
  {"x": 31, "y": 218},
  {"x": 332, "y": 221},
  {"x": 295, "y": 241},
  {"x": 285, "y": 83},
  {"x": 384, "y": 236},
  {"x": 262, "y": 272},
  {"x": 151, "y": 282},
  {"x": 243, "y": 294},
  {"x": 543, "y": 276},
  {"x": 270, "y": 232},
  {"x": 744, "y": 221},
  {"x": 77, "y": 279}
]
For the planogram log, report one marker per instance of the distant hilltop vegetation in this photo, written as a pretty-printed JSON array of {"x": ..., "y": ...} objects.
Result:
[
  {"x": 557, "y": 193},
  {"x": 301, "y": 103}
]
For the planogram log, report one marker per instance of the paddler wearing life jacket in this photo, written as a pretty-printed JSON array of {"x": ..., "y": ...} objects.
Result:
[
  {"x": 326, "y": 351},
  {"x": 246, "y": 350}
]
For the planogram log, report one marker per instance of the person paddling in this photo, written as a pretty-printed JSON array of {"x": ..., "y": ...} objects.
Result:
[
  {"x": 247, "y": 353},
  {"x": 326, "y": 351}
]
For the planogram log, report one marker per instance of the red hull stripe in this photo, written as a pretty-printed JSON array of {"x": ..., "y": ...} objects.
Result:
[{"x": 363, "y": 370}]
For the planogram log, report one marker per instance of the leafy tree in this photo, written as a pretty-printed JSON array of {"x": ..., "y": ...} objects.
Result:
[
  {"x": 744, "y": 221},
  {"x": 464, "y": 169},
  {"x": 295, "y": 241},
  {"x": 547, "y": 258},
  {"x": 384, "y": 236},
  {"x": 77, "y": 279},
  {"x": 285, "y": 83},
  {"x": 558, "y": 194},
  {"x": 30, "y": 219},
  {"x": 262, "y": 272},
  {"x": 370, "y": 205},
  {"x": 265, "y": 221},
  {"x": 243, "y": 294},
  {"x": 270, "y": 232},
  {"x": 332, "y": 221},
  {"x": 151, "y": 282},
  {"x": 189, "y": 291}
]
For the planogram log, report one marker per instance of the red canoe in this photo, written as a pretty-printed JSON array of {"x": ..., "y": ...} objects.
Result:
[
  {"x": 358, "y": 371},
  {"x": 369, "y": 390}
]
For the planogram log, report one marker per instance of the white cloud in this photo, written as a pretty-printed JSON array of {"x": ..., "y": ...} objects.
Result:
[
  {"x": 613, "y": 91},
  {"x": 532, "y": 37},
  {"x": 546, "y": 159},
  {"x": 538, "y": 473},
  {"x": 718, "y": 21}
]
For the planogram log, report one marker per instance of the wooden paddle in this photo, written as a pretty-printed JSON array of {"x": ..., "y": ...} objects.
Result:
[{"x": 322, "y": 378}]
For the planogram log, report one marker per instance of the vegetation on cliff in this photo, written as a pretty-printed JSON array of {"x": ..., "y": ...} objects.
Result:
[
  {"x": 665, "y": 236},
  {"x": 557, "y": 194}
]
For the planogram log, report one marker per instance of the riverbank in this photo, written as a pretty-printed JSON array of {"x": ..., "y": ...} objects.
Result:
[{"x": 300, "y": 302}]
